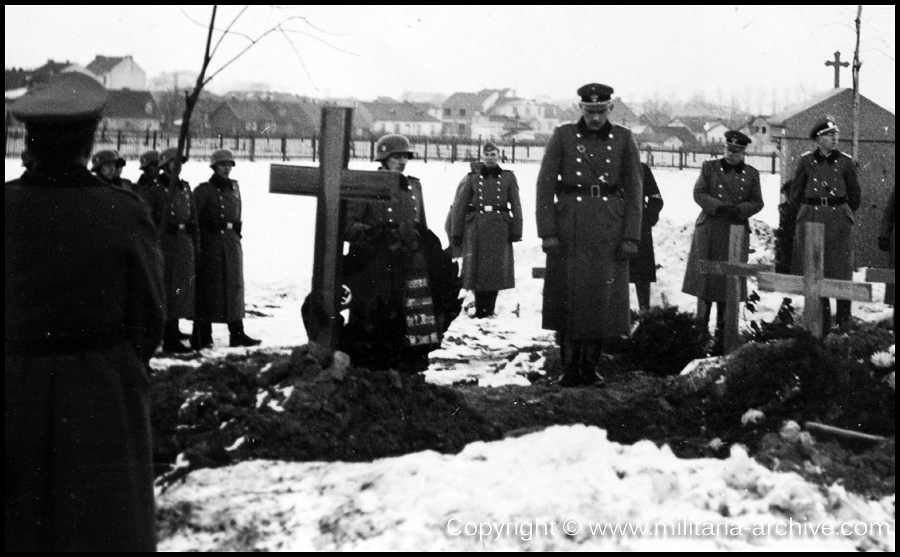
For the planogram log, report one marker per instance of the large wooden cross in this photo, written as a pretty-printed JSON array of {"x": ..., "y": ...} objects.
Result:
[
  {"x": 733, "y": 270},
  {"x": 813, "y": 285},
  {"x": 837, "y": 68},
  {"x": 886, "y": 276},
  {"x": 333, "y": 184}
]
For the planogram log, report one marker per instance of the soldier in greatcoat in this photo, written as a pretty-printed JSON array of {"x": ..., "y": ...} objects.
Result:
[
  {"x": 825, "y": 189},
  {"x": 395, "y": 269},
  {"x": 84, "y": 314},
  {"x": 589, "y": 200},
  {"x": 151, "y": 188},
  {"x": 485, "y": 221},
  {"x": 180, "y": 241},
  {"x": 220, "y": 264},
  {"x": 642, "y": 268},
  {"x": 728, "y": 192}
]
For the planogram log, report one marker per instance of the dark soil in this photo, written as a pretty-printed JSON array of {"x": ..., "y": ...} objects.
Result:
[{"x": 272, "y": 406}]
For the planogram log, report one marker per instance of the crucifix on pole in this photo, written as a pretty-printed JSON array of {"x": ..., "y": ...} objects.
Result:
[
  {"x": 333, "y": 184},
  {"x": 837, "y": 68},
  {"x": 734, "y": 270},
  {"x": 813, "y": 285}
]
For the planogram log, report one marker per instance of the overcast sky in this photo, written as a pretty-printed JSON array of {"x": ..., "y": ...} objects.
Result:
[{"x": 763, "y": 56}]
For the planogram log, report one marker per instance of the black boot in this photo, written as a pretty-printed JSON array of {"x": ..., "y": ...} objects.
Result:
[
  {"x": 238, "y": 337},
  {"x": 201, "y": 336},
  {"x": 171, "y": 339},
  {"x": 489, "y": 302},
  {"x": 590, "y": 364},
  {"x": 570, "y": 354}
]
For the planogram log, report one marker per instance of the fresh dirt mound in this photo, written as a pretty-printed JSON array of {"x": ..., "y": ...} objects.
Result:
[{"x": 279, "y": 407}]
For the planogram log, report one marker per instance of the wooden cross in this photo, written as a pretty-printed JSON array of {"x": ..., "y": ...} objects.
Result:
[
  {"x": 812, "y": 285},
  {"x": 733, "y": 270},
  {"x": 837, "y": 68},
  {"x": 333, "y": 184}
]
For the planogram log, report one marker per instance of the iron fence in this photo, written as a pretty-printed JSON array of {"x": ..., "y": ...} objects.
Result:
[{"x": 131, "y": 144}]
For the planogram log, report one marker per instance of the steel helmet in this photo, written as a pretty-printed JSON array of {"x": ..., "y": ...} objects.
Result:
[
  {"x": 390, "y": 144},
  {"x": 147, "y": 158},
  {"x": 169, "y": 155},
  {"x": 102, "y": 157},
  {"x": 221, "y": 155}
]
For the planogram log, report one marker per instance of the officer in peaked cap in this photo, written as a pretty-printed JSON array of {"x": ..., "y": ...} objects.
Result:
[
  {"x": 589, "y": 201},
  {"x": 826, "y": 190},
  {"x": 735, "y": 140},
  {"x": 729, "y": 193},
  {"x": 823, "y": 127},
  {"x": 82, "y": 321},
  {"x": 595, "y": 94}
]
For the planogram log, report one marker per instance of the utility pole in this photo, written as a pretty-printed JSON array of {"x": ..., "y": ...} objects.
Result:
[{"x": 854, "y": 146}]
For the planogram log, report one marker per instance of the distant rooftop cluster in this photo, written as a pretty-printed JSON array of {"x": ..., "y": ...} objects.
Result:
[{"x": 489, "y": 114}]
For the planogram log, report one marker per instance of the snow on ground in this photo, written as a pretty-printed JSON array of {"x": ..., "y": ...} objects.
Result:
[{"x": 556, "y": 475}]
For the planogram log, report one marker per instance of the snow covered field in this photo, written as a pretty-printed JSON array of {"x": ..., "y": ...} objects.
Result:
[{"x": 420, "y": 501}]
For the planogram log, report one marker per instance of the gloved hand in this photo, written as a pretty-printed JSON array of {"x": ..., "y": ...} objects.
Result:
[
  {"x": 456, "y": 241},
  {"x": 652, "y": 218},
  {"x": 728, "y": 211},
  {"x": 626, "y": 249},
  {"x": 551, "y": 245},
  {"x": 409, "y": 236},
  {"x": 884, "y": 243}
]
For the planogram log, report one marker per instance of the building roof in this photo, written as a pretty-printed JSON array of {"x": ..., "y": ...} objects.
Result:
[
  {"x": 683, "y": 134},
  {"x": 793, "y": 110},
  {"x": 103, "y": 64},
  {"x": 252, "y": 110},
  {"x": 472, "y": 101},
  {"x": 397, "y": 112},
  {"x": 126, "y": 103}
]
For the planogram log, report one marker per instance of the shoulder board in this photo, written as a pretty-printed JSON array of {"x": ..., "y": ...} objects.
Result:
[
  {"x": 803, "y": 154},
  {"x": 413, "y": 178},
  {"x": 505, "y": 171},
  {"x": 621, "y": 127},
  {"x": 846, "y": 155}
]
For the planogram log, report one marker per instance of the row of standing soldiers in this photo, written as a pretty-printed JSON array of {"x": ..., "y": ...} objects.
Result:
[{"x": 200, "y": 238}]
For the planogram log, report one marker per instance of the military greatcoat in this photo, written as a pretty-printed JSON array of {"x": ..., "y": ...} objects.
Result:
[
  {"x": 84, "y": 314},
  {"x": 220, "y": 264},
  {"x": 643, "y": 267},
  {"x": 589, "y": 196},
  {"x": 179, "y": 240},
  {"x": 487, "y": 215},
  {"x": 720, "y": 185},
  {"x": 825, "y": 189}
]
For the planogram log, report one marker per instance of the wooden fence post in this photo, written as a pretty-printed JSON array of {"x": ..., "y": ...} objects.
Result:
[
  {"x": 252, "y": 148},
  {"x": 371, "y": 150},
  {"x": 453, "y": 151},
  {"x": 284, "y": 148},
  {"x": 425, "y": 156},
  {"x": 314, "y": 148},
  {"x": 513, "y": 149},
  {"x": 773, "y": 163}
]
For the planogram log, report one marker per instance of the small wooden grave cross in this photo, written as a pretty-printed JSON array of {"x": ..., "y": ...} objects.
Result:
[
  {"x": 333, "y": 184},
  {"x": 812, "y": 285},
  {"x": 837, "y": 68},
  {"x": 734, "y": 270}
]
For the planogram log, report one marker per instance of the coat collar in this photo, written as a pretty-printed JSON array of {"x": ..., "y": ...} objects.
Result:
[
  {"x": 495, "y": 171},
  {"x": 219, "y": 182},
  {"x": 830, "y": 157},
  {"x": 738, "y": 168},
  {"x": 602, "y": 132}
]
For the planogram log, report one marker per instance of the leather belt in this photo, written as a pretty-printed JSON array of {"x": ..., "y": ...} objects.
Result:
[
  {"x": 826, "y": 201},
  {"x": 593, "y": 190}
]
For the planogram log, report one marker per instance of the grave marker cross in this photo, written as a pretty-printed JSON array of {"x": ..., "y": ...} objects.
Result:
[
  {"x": 333, "y": 184},
  {"x": 812, "y": 285}
]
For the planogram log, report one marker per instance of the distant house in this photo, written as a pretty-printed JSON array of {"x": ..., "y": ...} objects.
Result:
[
  {"x": 501, "y": 128},
  {"x": 623, "y": 115},
  {"x": 19, "y": 79},
  {"x": 759, "y": 131},
  {"x": 458, "y": 111},
  {"x": 696, "y": 125},
  {"x": 134, "y": 111},
  {"x": 241, "y": 117},
  {"x": 410, "y": 119},
  {"x": 715, "y": 132},
  {"x": 292, "y": 118},
  {"x": 118, "y": 72},
  {"x": 676, "y": 137}
]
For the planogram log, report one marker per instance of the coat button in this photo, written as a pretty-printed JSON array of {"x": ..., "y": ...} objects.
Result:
[
  {"x": 578, "y": 198},
  {"x": 578, "y": 159},
  {"x": 578, "y": 173}
]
